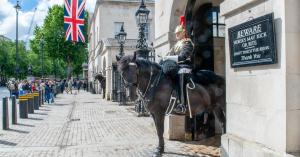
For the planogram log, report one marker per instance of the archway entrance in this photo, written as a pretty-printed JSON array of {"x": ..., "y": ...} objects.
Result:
[{"x": 207, "y": 30}]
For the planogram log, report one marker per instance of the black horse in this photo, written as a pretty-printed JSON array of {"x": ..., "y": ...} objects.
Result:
[
  {"x": 102, "y": 81},
  {"x": 156, "y": 89}
]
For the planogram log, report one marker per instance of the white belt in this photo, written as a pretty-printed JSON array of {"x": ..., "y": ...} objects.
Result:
[{"x": 184, "y": 71}]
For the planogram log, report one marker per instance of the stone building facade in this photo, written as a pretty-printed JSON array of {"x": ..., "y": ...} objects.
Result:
[
  {"x": 262, "y": 101},
  {"x": 104, "y": 24}
]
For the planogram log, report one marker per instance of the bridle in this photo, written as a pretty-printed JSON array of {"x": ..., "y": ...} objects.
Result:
[
  {"x": 127, "y": 83},
  {"x": 150, "y": 85}
]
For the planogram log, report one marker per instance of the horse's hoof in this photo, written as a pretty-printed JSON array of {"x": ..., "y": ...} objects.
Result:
[{"x": 158, "y": 152}]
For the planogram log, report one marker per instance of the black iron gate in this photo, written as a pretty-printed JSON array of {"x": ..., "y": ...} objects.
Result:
[{"x": 115, "y": 83}]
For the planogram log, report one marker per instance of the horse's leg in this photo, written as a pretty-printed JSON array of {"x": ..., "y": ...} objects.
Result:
[
  {"x": 218, "y": 112},
  {"x": 159, "y": 123}
]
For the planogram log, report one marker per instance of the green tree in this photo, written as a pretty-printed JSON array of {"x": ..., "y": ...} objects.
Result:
[
  {"x": 62, "y": 54},
  {"x": 8, "y": 58}
]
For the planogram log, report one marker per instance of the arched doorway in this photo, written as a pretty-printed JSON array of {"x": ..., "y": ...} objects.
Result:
[{"x": 206, "y": 29}]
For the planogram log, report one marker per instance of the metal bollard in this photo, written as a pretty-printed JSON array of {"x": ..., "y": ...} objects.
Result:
[
  {"x": 23, "y": 106},
  {"x": 40, "y": 98},
  {"x": 43, "y": 97},
  {"x": 30, "y": 103},
  {"x": 14, "y": 110},
  {"x": 5, "y": 122},
  {"x": 36, "y": 100}
]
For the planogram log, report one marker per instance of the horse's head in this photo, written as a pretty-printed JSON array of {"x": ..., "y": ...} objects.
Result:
[
  {"x": 128, "y": 70},
  {"x": 127, "y": 67}
]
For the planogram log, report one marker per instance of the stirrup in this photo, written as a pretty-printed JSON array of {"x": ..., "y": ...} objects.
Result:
[{"x": 180, "y": 109}]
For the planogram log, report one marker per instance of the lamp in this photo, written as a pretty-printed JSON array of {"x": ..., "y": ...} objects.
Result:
[{"x": 142, "y": 14}]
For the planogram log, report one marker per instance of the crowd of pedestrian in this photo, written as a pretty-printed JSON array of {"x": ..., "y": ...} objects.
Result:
[
  {"x": 22, "y": 87},
  {"x": 50, "y": 87}
]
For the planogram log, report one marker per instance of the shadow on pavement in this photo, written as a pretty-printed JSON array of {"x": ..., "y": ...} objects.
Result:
[
  {"x": 180, "y": 154},
  {"x": 59, "y": 104},
  {"x": 7, "y": 143},
  {"x": 35, "y": 118},
  {"x": 44, "y": 110},
  {"x": 18, "y": 131},
  {"x": 41, "y": 113},
  {"x": 26, "y": 125}
]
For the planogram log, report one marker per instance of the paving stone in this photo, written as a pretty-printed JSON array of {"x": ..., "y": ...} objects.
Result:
[{"x": 84, "y": 125}]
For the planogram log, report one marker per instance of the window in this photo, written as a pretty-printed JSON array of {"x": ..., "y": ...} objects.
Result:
[
  {"x": 118, "y": 27},
  {"x": 147, "y": 31},
  {"x": 218, "y": 23}
]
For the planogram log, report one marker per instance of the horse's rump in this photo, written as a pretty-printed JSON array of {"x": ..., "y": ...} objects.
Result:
[{"x": 207, "y": 77}]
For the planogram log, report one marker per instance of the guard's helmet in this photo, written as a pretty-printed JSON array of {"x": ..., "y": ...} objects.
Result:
[{"x": 181, "y": 27}]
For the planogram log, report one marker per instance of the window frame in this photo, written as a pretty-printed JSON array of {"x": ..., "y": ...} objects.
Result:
[
  {"x": 217, "y": 24},
  {"x": 117, "y": 31}
]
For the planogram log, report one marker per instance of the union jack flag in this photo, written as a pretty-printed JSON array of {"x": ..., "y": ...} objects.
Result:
[{"x": 74, "y": 20}]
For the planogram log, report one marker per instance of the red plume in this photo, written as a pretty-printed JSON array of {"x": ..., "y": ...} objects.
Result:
[{"x": 182, "y": 21}]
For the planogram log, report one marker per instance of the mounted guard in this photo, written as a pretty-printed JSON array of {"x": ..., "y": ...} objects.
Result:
[{"x": 181, "y": 53}]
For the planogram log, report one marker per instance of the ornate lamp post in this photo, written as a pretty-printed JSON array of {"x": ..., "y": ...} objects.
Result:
[
  {"x": 121, "y": 37},
  {"x": 29, "y": 70},
  {"x": 17, "y": 7},
  {"x": 141, "y": 16}
]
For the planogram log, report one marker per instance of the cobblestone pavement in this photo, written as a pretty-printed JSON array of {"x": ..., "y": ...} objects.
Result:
[{"x": 83, "y": 125}]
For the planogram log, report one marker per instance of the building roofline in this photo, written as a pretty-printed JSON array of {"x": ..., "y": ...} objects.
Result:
[{"x": 99, "y": 2}]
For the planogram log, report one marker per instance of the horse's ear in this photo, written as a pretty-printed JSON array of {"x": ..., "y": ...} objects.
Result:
[{"x": 118, "y": 57}]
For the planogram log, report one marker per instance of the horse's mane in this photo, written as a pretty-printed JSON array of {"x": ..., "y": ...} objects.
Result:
[
  {"x": 146, "y": 64},
  {"x": 142, "y": 63},
  {"x": 123, "y": 63}
]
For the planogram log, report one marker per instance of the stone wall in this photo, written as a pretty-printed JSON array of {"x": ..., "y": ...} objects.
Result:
[
  {"x": 262, "y": 115},
  {"x": 167, "y": 15},
  {"x": 102, "y": 29},
  {"x": 292, "y": 35}
]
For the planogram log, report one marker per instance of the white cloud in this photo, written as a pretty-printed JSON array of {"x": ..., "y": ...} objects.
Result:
[
  {"x": 90, "y": 5},
  {"x": 8, "y": 17}
]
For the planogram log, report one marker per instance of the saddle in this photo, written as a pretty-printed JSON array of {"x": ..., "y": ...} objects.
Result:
[{"x": 204, "y": 77}]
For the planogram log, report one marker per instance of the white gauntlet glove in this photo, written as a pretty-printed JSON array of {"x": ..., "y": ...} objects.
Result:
[{"x": 174, "y": 58}]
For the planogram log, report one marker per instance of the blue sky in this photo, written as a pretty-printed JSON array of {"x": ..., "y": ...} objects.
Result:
[
  {"x": 27, "y": 5},
  {"x": 8, "y": 16}
]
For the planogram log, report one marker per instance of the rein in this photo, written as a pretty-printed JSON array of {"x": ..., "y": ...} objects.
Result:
[
  {"x": 127, "y": 83},
  {"x": 150, "y": 85}
]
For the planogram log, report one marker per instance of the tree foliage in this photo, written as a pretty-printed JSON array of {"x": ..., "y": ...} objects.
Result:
[
  {"x": 60, "y": 53},
  {"x": 8, "y": 58}
]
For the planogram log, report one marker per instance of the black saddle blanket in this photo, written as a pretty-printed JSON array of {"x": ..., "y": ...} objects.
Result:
[{"x": 206, "y": 77}]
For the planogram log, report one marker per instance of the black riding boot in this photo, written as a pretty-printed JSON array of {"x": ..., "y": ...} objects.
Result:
[{"x": 181, "y": 107}]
